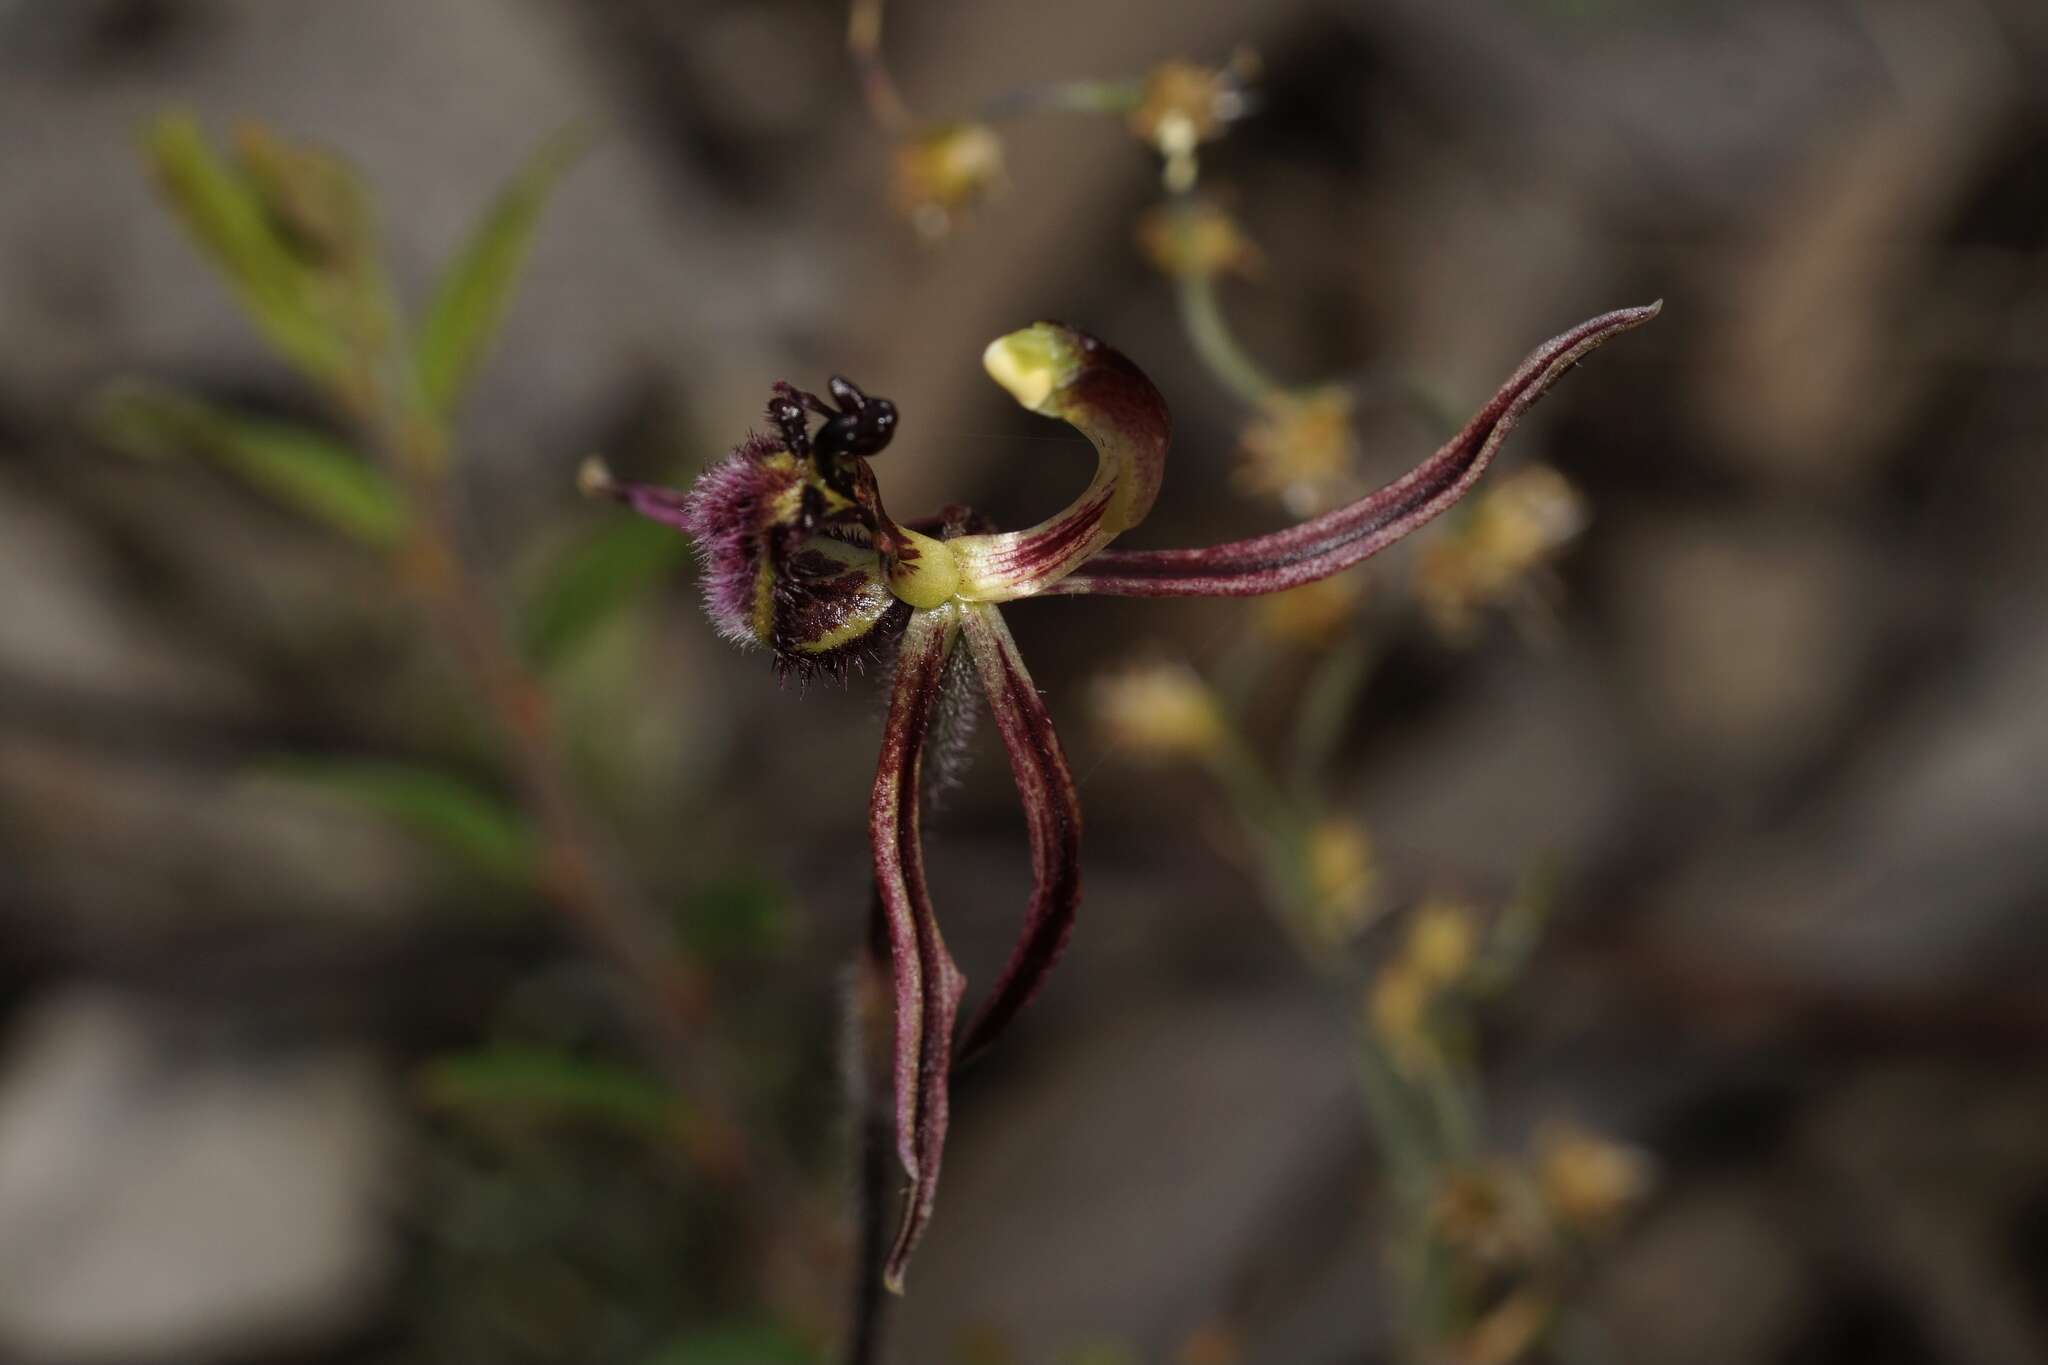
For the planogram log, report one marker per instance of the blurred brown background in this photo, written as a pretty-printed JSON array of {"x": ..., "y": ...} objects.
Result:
[{"x": 1787, "y": 746}]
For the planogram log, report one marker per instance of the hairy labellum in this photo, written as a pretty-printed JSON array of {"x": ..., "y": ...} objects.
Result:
[
  {"x": 799, "y": 555},
  {"x": 740, "y": 511}
]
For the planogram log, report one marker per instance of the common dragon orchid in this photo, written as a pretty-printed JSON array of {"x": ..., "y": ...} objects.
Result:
[{"x": 799, "y": 555}]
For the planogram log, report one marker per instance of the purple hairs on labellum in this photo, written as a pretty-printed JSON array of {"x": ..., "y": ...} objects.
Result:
[{"x": 734, "y": 512}]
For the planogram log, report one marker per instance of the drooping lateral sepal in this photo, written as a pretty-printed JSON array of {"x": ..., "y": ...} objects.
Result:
[
  {"x": 1057, "y": 371},
  {"x": 927, "y": 984},
  {"x": 1335, "y": 541},
  {"x": 1052, "y": 816}
]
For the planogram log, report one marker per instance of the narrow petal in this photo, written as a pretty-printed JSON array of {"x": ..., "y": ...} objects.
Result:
[
  {"x": 928, "y": 985},
  {"x": 1337, "y": 540},
  {"x": 1057, "y": 371},
  {"x": 1052, "y": 812}
]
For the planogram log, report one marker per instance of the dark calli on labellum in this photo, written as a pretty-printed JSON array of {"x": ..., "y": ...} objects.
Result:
[{"x": 800, "y": 556}]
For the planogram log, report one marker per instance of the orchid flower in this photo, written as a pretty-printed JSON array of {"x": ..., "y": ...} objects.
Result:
[{"x": 799, "y": 555}]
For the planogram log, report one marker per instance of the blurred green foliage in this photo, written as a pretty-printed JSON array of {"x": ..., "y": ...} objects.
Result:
[
  {"x": 738, "y": 1345},
  {"x": 469, "y": 302},
  {"x": 476, "y": 826},
  {"x": 592, "y": 580},
  {"x": 552, "y": 1085},
  {"x": 224, "y": 209},
  {"x": 309, "y": 471},
  {"x": 568, "y": 1206}
]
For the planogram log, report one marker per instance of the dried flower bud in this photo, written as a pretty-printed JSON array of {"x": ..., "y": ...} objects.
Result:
[
  {"x": 1343, "y": 878},
  {"x": 1397, "y": 1012},
  {"x": 1443, "y": 938},
  {"x": 1511, "y": 532},
  {"x": 943, "y": 172},
  {"x": 1160, "y": 711},
  {"x": 1185, "y": 105},
  {"x": 1486, "y": 1212},
  {"x": 1302, "y": 449},
  {"x": 1198, "y": 239},
  {"x": 1588, "y": 1181}
]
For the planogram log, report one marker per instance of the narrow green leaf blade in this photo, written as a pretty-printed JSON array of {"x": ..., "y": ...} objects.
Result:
[
  {"x": 305, "y": 469},
  {"x": 739, "y": 1344},
  {"x": 593, "y": 579},
  {"x": 475, "y": 825},
  {"x": 736, "y": 916},
  {"x": 224, "y": 214},
  {"x": 471, "y": 297},
  {"x": 553, "y": 1084}
]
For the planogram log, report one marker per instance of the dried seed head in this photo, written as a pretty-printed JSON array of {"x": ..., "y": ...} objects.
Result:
[
  {"x": 1302, "y": 449},
  {"x": 1397, "y": 1012},
  {"x": 1185, "y": 105},
  {"x": 1589, "y": 1181},
  {"x": 942, "y": 173},
  {"x": 1443, "y": 939},
  {"x": 1160, "y": 711},
  {"x": 1197, "y": 239},
  {"x": 1499, "y": 549},
  {"x": 1343, "y": 879}
]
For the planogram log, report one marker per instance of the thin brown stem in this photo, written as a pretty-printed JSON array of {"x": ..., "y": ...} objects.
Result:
[{"x": 574, "y": 877}]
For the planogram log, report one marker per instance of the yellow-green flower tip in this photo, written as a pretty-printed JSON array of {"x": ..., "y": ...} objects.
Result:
[{"x": 1033, "y": 364}]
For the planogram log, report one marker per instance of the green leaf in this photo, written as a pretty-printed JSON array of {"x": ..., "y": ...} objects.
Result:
[
  {"x": 475, "y": 825},
  {"x": 225, "y": 214},
  {"x": 553, "y": 1084},
  {"x": 470, "y": 299},
  {"x": 304, "y": 469},
  {"x": 313, "y": 200},
  {"x": 741, "y": 1344},
  {"x": 595, "y": 578},
  {"x": 736, "y": 916}
]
